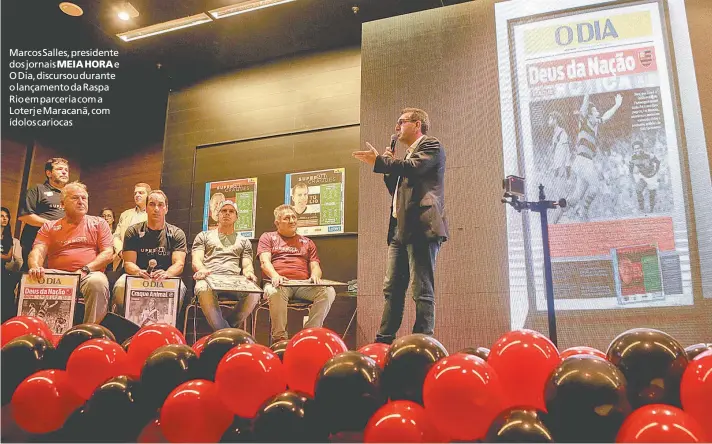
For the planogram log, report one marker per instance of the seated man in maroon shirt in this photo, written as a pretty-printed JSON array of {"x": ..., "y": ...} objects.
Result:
[{"x": 286, "y": 255}]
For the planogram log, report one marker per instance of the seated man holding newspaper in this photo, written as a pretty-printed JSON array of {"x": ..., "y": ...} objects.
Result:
[
  {"x": 219, "y": 256},
  {"x": 76, "y": 243},
  {"x": 153, "y": 250},
  {"x": 284, "y": 256}
]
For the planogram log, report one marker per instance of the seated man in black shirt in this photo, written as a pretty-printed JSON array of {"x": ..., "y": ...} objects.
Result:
[{"x": 154, "y": 239}]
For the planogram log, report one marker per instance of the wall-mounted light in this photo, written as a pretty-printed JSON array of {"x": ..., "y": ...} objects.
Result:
[
  {"x": 244, "y": 6},
  {"x": 127, "y": 11},
  {"x": 164, "y": 27}
]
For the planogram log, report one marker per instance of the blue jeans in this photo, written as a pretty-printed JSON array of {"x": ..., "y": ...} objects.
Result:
[{"x": 406, "y": 261}]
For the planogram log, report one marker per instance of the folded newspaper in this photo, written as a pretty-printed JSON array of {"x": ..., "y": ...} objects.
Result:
[
  {"x": 309, "y": 283},
  {"x": 231, "y": 282}
]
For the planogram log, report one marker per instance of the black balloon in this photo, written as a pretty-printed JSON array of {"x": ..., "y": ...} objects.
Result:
[
  {"x": 217, "y": 346},
  {"x": 279, "y": 347},
  {"x": 408, "y": 361},
  {"x": 116, "y": 412},
  {"x": 239, "y": 431},
  {"x": 289, "y": 417},
  {"x": 76, "y": 336},
  {"x": 518, "y": 424},
  {"x": 480, "y": 352},
  {"x": 74, "y": 429},
  {"x": 21, "y": 357},
  {"x": 165, "y": 369},
  {"x": 125, "y": 345},
  {"x": 586, "y": 400},
  {"x": 348, "y": 391},
  {"x": 694, "y": 350},
  {"x": 653, "y": 363}
]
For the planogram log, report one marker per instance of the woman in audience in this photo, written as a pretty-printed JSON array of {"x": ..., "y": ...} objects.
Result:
[
  {"x": 108, "y": 215},
  {"x": 11, "y": 263}
]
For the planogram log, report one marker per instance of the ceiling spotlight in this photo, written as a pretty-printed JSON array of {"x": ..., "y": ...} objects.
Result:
[
  {"x": 244, "y": 6},
  {"x": 127, "y": 11},
  {"x": 164, "y": 27},
  {"x": 71, "y": 9}
]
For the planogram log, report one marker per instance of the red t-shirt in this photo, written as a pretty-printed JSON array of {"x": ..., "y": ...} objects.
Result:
[
  {"x": 290, "y": 255},
  {"x": 70, "y": 247}
]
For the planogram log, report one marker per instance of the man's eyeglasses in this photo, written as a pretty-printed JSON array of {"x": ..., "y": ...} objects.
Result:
[{"x": 400, "y": 122}]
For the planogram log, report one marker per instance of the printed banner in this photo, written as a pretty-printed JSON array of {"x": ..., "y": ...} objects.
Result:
[
  {"x": 51, "y": 299},
  {"x": 318, "y": 197},
  {"x": 241, "y": 191},
  {"x": 152, "y": 302},
  {"x": 593, "y": 110}
]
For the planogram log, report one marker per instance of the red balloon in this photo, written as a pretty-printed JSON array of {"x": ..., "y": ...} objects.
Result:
[
  {"x": 376, "y": 351},
  {"x": 306, "y": 354},
  {"x": 582, "y": 350},
  {"x": 199, "y": 344},
  {"x": 147, "y": 340},
  {"x": 94, "y": 362},
  {"x": 703, "y": 355},
  {"x": 23, "y": 325},
  {"x": 43, "y": 401},
  {"x": 152, "y": 433},
  {"x": 254, "y": 363},
  {"x": 523, "y": 360},
  {"x": 696, "y": 390},
  {"x": 462, "y": 395},
  {"x": 401, "y": 421},
  {"x": 660, "y": 423},
  {"x": 193, "y": 412}
]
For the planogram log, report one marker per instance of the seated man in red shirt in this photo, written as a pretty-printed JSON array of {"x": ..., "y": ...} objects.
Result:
[
  {"x": 285, "y": 255},
  {"x": 76, "y": 243}
]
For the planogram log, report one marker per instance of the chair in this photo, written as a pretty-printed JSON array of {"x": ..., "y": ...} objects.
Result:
[
  {"x": 195, "y": 305},
  {"x": 294, "y": 304}
]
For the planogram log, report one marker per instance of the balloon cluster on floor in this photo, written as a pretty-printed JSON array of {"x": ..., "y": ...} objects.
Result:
[{"x": 227, "y": 388}]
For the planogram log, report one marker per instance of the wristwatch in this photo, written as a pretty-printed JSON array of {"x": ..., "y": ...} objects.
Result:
[{"x": 86, "y": 269}]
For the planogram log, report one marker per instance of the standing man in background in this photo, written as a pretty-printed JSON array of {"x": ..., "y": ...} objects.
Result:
[
  {"x": 42, "y": 203},
  {"x": 132, "y": 216},
  {"x": 417, "y": 225}
]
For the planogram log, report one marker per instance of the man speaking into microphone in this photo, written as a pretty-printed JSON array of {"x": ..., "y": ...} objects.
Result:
[{"x": 417, "y": 225}]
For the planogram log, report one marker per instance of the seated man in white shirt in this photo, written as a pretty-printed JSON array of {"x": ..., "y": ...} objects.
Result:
[{"x": 223, "y": 251}]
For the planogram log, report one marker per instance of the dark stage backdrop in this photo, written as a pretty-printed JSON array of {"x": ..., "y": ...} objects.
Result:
[
  {"x": 268, "y": 160},
  {"x": 290, "y": 115}
]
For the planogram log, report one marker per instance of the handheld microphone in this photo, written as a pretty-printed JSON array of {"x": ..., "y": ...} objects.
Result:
[
  {"x": 394, "y": 139},
  {"x": 151, "y": 265}
]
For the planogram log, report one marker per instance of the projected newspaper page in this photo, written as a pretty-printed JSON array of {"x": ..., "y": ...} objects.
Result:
[{"x": 595, "y": 123}]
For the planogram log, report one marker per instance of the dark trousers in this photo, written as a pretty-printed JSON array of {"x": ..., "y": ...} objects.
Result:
[{"x": 408, "y": 262}]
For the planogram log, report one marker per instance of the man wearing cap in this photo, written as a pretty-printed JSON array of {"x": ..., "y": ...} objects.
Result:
[{"x": 223, "y": 251}]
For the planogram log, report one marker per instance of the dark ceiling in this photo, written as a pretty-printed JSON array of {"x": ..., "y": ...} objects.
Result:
[{"x": 153, "y": 66}]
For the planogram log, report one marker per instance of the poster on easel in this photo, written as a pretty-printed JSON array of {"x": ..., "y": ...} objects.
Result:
[
  {"x": 241, "y": 191},
  {"x": 150, "y": 301},
  {"x": 318, "y": 198},
  {"x": 51, "y": 299}
]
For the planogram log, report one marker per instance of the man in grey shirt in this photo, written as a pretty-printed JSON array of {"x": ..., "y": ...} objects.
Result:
[{"x": 223, "y": 251}]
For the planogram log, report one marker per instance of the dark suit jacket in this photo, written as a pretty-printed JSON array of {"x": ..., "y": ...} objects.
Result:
[{"x": 421, "y": 192}]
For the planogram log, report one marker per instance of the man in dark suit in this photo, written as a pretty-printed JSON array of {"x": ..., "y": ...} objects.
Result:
[{"x": 417, "y": 225}]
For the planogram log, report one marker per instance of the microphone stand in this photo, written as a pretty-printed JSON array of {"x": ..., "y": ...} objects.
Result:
[{"x": 541, "y": 207}]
